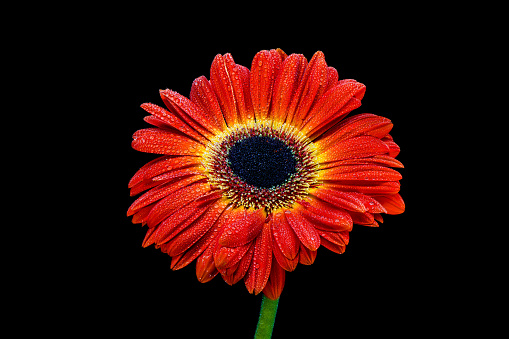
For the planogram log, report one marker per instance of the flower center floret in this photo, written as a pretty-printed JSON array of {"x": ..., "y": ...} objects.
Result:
[
  {"x": 261, "y": 165},
  {"x": 262, "y": 161}
]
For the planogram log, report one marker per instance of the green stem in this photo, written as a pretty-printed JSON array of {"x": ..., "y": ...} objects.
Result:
[{"x": 267, "y": 317}]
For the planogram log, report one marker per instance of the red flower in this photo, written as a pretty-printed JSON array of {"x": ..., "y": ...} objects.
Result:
[{"x": 260, "y": 169}]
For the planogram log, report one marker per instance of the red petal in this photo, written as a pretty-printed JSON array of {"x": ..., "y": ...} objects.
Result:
[
  {"x": 352, "y": 104},
  {"x": 171, "y": 203},
  {"x": 203, "y": 95},
  {"x": 372, "y": 205},
  {"x": 198, "y": 229},
  {"x": 284, "y": 236},
  {"x": 310, "y": 89},
  {"x": 159, "y": 193},
  {"x": 161, "y": 165},
  {"x": 235, "y": 273},
  {"x": 177, "y": 222},
  {"x": 247, "y": 114},
  {"x": 394, "y": 204},
  {"x": 155, "y": 140},
  {"x": 304, "y": 230},
  {"x": 243, "y": 226},
  {"x": 287, "y": 82},
  {"x": 358, "y": 147},
  {"x": 276, "y": 282},
  {"x": 259, "y": 271},
  {"x": 189, "y": 112},
  {"x": 360, "y": 172},
  {"x": 225, "y": 257},
  {"x": 390, "y": 187},
  {"x": 205, "y": 267},
  {"x": 339, "y": 238},
  {"x": 393, "y": 148},
  {"x": 332, "y": 77},
  {"x": 226, "y": 79},
  {"x": 340, "y": 199},
  {"x": 283, "y": 261},
  {"x": 331, "y": 103},
  {"x": 171, "y": 120},
  {"x": 381, "y": 160},
  {"x": 264, "y": 69},
  {"x": 365, "y": 219},
  {"x": 328, "y": 243},
  {"x": 195, "y": 170},
  {"x": 205, "y": 242},
  {"x": 325, "y": 216},
  {"x": 306, "y": 256},
  {"x": 361, "y": 124},
  {"x": 181, "y": 219},
  {"x": 141, "y": 215}
]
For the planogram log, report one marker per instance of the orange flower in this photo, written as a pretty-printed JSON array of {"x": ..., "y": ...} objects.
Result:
[{"x": 260, "y": 169}]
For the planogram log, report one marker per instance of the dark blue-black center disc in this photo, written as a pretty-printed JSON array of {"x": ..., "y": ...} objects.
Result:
[{"x": 262, "y": 161}]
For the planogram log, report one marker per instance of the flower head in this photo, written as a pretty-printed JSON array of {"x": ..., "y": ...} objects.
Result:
[{"x": 260, "y": 168}]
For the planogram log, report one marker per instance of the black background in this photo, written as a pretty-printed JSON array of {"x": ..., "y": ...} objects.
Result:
[{"x": 385, "y": 281}]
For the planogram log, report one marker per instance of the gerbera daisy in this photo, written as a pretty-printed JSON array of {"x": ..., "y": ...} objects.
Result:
[{"x": 260, "y": 168}]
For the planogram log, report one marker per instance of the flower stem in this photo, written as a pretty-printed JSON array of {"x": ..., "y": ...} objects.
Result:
[{"x": 267, "y": 316}]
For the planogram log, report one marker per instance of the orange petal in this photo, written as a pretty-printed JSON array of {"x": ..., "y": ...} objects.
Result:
[
  {"x": 155, "y": 140},
  {"x": 304, "y": 230},
  {"x": 203, "y": 95},
  {"x": 242, "y": 227}
]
